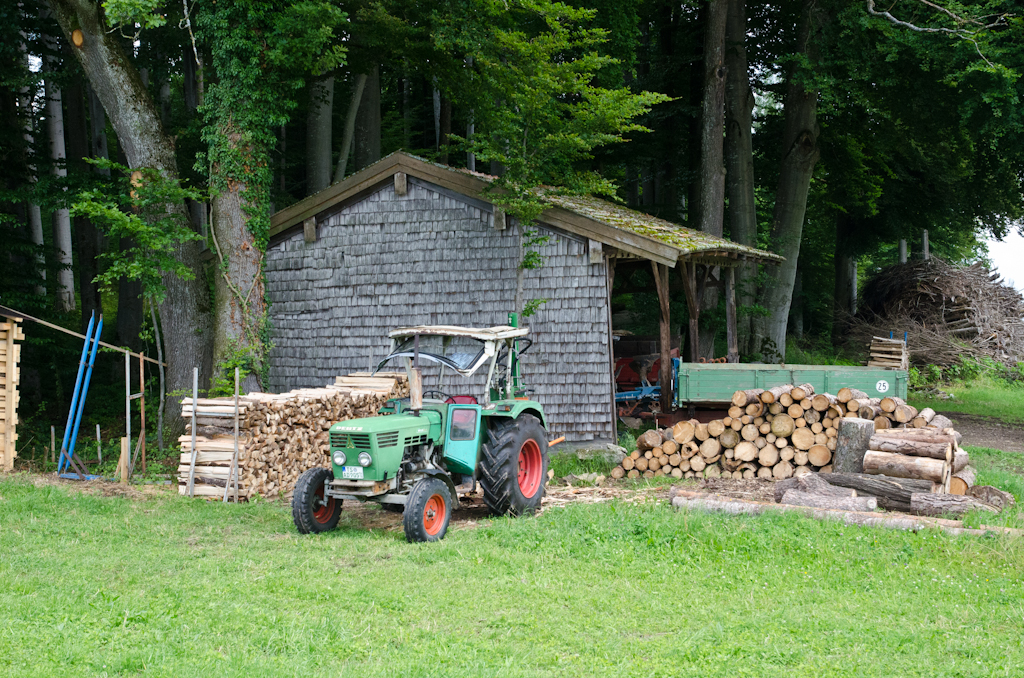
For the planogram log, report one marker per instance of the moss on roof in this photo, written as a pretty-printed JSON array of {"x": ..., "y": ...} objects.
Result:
[{"x": 686, "y": 240}]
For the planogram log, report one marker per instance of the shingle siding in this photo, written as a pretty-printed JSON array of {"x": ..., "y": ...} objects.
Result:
[{"x": 428, "y": 258}]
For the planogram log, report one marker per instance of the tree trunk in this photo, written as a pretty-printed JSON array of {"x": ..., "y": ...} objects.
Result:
[
  {"x": 914, "y": 448},
  {"x": 903, "y": 466},
  {"x": 845, "y": 273},
  {"x": 86, "y": 236},
  {"x": 367, "y": 132},
  {"x": 892, "y": 493},
  {"x": 739, "y": 158},
  {"x": 446, "y": 128},
  {"x": 941, "y": 504},
  {"x": 35, "y": 217},
  {"x": 239, "y": 302},
  {"x": 185, "y": 313},
  {"x": 65, "y": 292},
  {"x": 318, "y": 134},
  {"x": 350, "y": 126},
  {"x": 851, "y": 444},
  {"x": 711, "y": 173},
  {"x": 130, "y": 311},
  {"x": 811, "y": 483},
  {"x": 798, "y": 498},
  {"x": 799, "y": 155}
]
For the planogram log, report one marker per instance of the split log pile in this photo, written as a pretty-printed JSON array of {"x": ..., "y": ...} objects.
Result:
[
  {"x": 280, "y": 435},
  {"x": 10, "y": 376},
  {"x": 947, "y": 311},
  {"x": 893, "y": 412}
]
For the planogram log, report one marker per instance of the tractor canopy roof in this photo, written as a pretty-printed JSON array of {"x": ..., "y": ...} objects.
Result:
[{"x": 498, "y": 333}]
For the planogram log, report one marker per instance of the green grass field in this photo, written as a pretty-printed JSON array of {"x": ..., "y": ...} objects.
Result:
[
  {"x": 97, "y": 586},
  {"x": 981, "y": 397}
]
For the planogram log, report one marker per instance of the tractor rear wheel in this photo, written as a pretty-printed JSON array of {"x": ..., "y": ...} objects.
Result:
[
  {"x": 428, "y": 511},
  {"x": 514, "y": 465},
  {"x": 310, "y": 511}
]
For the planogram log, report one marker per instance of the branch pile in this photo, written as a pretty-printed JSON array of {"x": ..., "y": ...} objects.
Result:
[
  {"x": 947, "y": 311},
  {"x": 280, "y": 435}
]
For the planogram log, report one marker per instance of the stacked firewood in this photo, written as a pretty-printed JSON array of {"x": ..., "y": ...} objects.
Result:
[
  {"x": 10, "y": 355},
  {"x": 888, "y": 353},
  {"x": 776, "y": 433},
  {"x": 890, "y": 412},
  {"x": 280, "y": 435}
]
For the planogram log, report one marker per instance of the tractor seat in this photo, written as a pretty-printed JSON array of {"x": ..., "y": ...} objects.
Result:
[{"x": 462, "y": 400}]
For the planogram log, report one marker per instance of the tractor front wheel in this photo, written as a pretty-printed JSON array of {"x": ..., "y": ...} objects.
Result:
[
  {"x": 514, "y": 466},
  {"x": 428, "y": 511},
  {"x": 310, "y": 511}
]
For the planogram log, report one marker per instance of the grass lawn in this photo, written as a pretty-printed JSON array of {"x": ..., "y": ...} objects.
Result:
[
  {"x": 172, "y": 587},
  {"x": 982, "y": 397}
]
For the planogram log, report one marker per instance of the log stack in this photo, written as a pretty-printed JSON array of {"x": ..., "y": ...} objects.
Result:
[
  {"x": 280, "y": 435},
  {"x": 888, "y": 353},
  {"x": 10, "y": 376}
]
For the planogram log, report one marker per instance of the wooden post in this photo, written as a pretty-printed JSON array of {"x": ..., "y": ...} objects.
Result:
[
  {"x": 195, "y": 407},
  {"x": 925, "y": 248},
  {"x": 688, "y": 271},
  {"x": 122, "y": 465},
  {"x": 733, "y": 355},
  {"x": 611, "y": 342},
  {"x": 903, "y": 250},
  {"x": 665, "y": 336},
  {"x": 142, "y": 408},
  {"x": 99, "y": 446},
  {"x": 234, "y": 456},
  {"x": 53, "y": 444},
  {"x": 128, "y": 395}
]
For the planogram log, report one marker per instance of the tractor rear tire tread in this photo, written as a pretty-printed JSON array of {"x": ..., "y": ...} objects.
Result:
[
  {"x": 499, "y": 467},
  {"x": 302, "y": 502}
]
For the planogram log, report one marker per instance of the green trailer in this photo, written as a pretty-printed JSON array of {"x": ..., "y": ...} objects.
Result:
[{"x": 714, "y": 383}]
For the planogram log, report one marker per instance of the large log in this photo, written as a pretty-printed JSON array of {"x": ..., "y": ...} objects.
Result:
[
  {"x": 892, "y": 493},
  {"x": 823, "y": 401},
  {"x": 846, "y": 394},
  {"x": 819, "y": 455},
  {"x": 812, "y": 483},
  {"x": 803, "y": 438},
  {"x": 729, "y": 438},
  {"x": 682, "y": 499},
  {"x": 710, "y": 448},
  {"x": 715, "y": 428},
  {"x": 798, "y": 498},
  {"x": 914, "y": 448},
  {"x": 963, "y": 481},
  {"x": 904, "y": 414},
  {"x": 869, "y": 411},
  {"x": 993, "y": 496},
  {"x": 891, "y": 403},
  {"x": 782, "y": 470},
  {"x": 940, "y": 422},
  {"x": 941, "y": 504},
  {"x": 648, "y": 440},
  {"x": 772, "y": 394},
  {"x": 924, "y": 417},
  {"x": 851, "y": 444},
  {"x": 802, "y": 391},
  {"x": 768, "y": 456},
  {"x": 746, "y": 397},
  {"x": 960, "y": 460},
  {"x": 783, "y": 425},
  {"x": 905, "y": 466},
  {"x": 928, "y": 435}
]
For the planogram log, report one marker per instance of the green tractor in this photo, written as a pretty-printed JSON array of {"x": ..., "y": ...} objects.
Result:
[{"x": 423, "y": 451}]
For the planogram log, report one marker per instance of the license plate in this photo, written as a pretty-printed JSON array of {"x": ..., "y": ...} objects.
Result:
[{"x": 352, "y": 472}]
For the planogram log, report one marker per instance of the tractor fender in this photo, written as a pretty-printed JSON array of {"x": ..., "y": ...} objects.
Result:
[
  {"x": 437, "y": 473},
  {"x": 518, "y": 409}
]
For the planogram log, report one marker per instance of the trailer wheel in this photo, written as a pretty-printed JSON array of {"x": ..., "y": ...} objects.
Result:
[
  {"x": 428, "y": 511},
  {"x": 310, "y": 512},
  {"x": 514, "y": 466}
]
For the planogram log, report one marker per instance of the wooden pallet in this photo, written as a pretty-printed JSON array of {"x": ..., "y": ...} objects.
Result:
[
  {"x": 10, "y": 376},
  {"x": 888, "y": 353}
]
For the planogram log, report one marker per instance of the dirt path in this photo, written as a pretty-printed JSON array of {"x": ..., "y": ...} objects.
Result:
[{"x": 988, "y": 432}]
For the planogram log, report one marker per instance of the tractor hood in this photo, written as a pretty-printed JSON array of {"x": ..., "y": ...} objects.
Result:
[{"x": 384, "y": 439}]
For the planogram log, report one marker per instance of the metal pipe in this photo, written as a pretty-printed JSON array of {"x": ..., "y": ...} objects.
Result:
[
  {"x": 85, "y": 388},
  {"x": 74, "y": 396}
]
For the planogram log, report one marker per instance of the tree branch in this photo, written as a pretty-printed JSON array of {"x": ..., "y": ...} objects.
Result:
[{"x": 963, "y": 33}]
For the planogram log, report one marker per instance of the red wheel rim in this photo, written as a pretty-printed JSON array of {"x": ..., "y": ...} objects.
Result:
[
  {"x": 324, "y": 511},
  {"x": 433, "y": 514},
  {"x": 531, "y": 465}
]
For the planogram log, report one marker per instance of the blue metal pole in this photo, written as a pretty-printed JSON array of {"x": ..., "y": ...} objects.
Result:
[
  {"x": 85, "y": 387},
  {"x": 74, "y": 396}
]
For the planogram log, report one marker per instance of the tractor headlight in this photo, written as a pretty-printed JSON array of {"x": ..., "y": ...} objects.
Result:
[
  {"x": 339, "y": 458},
  {"x": 365, "y": 459}
]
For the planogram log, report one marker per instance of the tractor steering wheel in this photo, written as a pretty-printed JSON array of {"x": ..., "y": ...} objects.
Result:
[{"x": 444, "y": 396}]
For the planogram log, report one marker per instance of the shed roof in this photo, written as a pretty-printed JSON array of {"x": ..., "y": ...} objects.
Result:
[
  {"x": 630, "y": 231},
  {"x": 483, "y": 334}
]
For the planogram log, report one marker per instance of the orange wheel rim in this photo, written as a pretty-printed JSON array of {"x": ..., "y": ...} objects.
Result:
[
  {"x": 434, "y": 514},
  {"x": 324, "y": 509},
  {"x": 531, "y": 465}
]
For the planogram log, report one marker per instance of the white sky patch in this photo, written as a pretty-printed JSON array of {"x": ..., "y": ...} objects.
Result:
[{"x": 1007, "y": 255}]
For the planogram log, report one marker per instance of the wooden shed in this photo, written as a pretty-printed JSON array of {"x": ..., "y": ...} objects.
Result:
[{"x": 409, "y": 242}]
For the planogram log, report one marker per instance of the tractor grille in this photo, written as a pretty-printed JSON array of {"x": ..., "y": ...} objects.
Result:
[
  {"x": 360, "y": 441},
  {"x": 389, "y": 439},
  {"x": 416, "y": 440}
]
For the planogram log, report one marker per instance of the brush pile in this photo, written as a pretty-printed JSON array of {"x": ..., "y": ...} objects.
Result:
[
  {"x": 280, "y": 435},
  {"x": 947, "y": 311}
]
